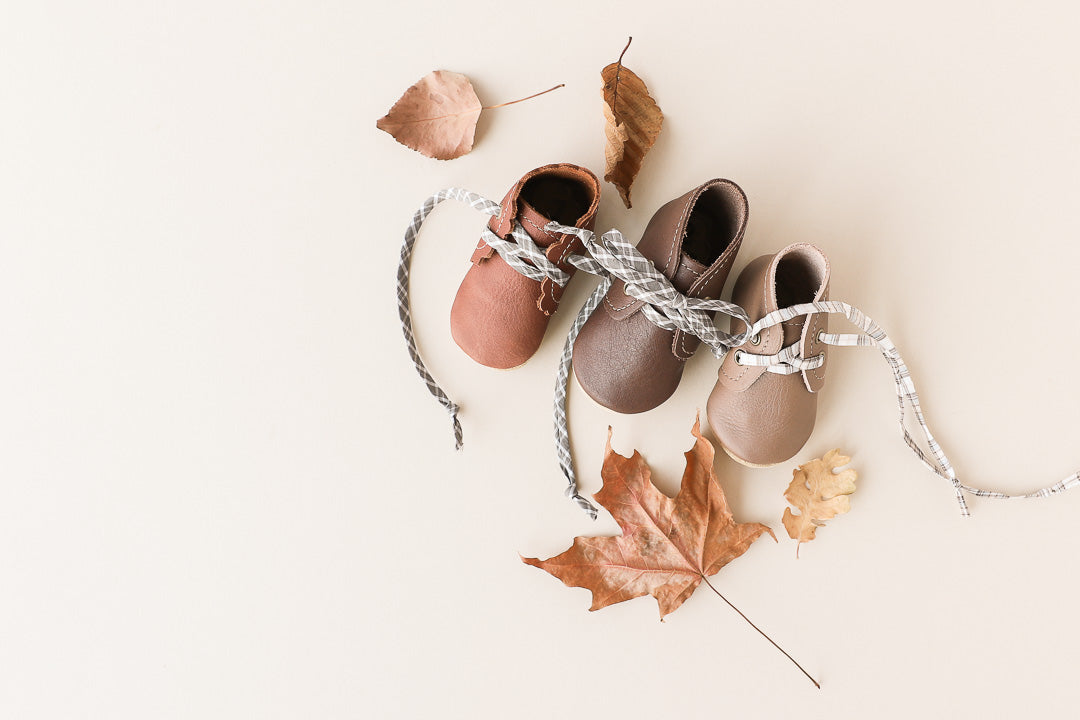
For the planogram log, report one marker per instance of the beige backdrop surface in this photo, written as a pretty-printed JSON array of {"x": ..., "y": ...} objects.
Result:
[{"x": 224, "y": 493}]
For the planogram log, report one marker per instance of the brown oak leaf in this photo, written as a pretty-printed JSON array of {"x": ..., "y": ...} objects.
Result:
[
  {"x": 437, "y": 115},
  {"x": 632, "y": 122},
  {"x": 668, "y": 545},
  {"x": 818, "y": 493}
]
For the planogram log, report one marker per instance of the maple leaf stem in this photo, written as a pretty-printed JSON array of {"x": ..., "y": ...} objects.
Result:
[
  {"x": 492, "y": 107},
  {"x": 711, "y": 587}
]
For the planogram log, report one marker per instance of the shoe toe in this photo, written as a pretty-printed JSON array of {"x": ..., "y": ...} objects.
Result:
[
  {"x": 494, "y": 319},
  {"x": 761, "y": 426},
  {"x": 625, "y": 365}
]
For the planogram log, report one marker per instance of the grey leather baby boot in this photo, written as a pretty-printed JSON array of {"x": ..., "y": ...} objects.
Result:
[{"x": 622, "y": 359}]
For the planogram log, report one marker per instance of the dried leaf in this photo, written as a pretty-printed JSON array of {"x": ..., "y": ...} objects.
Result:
[
  {"x": 632, "y": 123},
  {"x": 668, "y": 546},
  {"x": 819, "y": 494},
  {"x": 436, "y": 116}
]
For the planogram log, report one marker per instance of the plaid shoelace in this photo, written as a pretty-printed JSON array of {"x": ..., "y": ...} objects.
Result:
[
  {"x": 611, "y": 258},
  {"x": 522, "y": 254}
]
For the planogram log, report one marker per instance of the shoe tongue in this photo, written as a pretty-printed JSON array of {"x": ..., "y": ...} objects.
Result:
[
  {"x": 686, "y": 273},
  {"x": 792, "y": 328},
  {"x": 534, "y": 224}
]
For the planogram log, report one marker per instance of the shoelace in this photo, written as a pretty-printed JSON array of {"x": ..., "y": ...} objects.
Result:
[
  {"x": 670, "y": 309},
  {"x": 521, "y": 253},
  {"x": 614, "y": 258},
  {"x": 786, "y": 362}
]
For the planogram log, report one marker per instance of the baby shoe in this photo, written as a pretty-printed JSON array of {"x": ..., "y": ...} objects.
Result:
[
  {"x": 762, "y": 409},
  {"x": 621, "y": 358},
  {"x": 499, "y": 316}
]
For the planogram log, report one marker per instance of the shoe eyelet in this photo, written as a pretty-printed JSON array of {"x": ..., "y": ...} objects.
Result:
[
  {"x": 820, "y": 335},
  {"x": 755, "y": 339},
  {"x": 738, "y": 357}
]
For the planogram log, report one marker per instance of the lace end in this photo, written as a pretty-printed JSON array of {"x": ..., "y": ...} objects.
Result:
[
  {"x": 456, "y": 425},
  {"x": 964, "y": 511},
  {"x": 577, "y": 499}
]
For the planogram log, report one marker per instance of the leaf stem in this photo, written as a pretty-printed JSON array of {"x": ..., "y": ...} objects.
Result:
[
  {"x": 492, "y": 107},
  {"x": 618, "y": 71},
  {"x": 816, "y": 683}
]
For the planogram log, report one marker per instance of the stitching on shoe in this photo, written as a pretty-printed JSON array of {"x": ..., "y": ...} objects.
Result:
[
  {"x": 682, "y": 348},
  {"x": 766, "y": 334},
  {"x": 608, "y": 302},
  {"x": 679, "y": 228},
  {"x": 765, "y": 304},
  {"x": 818, "y": 373},
  {"x": 725, "y": 259},
  {"x": 736, "y": 378},
  {"x": 565, "y": 252},
  {"x": 691, "y": 270},
  {"x": 536, "y": 227},
  {"x": 701, "y": 281}
]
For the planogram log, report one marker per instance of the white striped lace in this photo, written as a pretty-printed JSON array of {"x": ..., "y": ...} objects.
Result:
[
  {"x": 786, "y": 362},
  {"x": 674, "y": 310},
  {"x": 613, "y": 258}
]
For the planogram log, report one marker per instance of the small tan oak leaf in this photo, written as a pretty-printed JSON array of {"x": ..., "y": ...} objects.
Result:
[
  {"x": 819, "y": 493},
  {"x": 632, "y": 122},
  {"x": 436, "y": 116},
  {"x": 667, "y": 546}
]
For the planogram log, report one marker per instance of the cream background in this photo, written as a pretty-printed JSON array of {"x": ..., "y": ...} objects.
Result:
[{"x": 226, "y": 494}]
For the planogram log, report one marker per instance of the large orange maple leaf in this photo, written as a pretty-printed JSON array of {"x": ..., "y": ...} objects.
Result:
[{"x": 668, "y": 545}]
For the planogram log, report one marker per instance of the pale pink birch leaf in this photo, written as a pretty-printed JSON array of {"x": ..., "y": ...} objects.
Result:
[{"x": 435, "y": 117}]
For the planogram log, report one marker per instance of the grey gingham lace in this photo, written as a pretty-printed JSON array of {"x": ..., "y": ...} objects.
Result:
[
  {"x": 520, "y": 253},
  {"x": 611, "y": 258}
]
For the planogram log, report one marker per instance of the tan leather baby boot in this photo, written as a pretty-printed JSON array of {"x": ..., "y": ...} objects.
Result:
[
  {"x": 499, "y": 316},
  {"x": 762, "y": 409},
  {"x": 622, "y": 359}
]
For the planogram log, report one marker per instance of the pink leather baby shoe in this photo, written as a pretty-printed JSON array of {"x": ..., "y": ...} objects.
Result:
[{"x": 499, "y": 316}]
